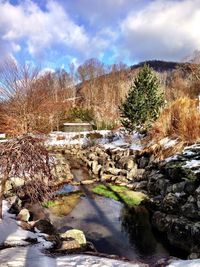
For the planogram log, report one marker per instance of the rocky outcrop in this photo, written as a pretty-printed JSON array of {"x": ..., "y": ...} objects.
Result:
[{"x": 174, "y": 189}]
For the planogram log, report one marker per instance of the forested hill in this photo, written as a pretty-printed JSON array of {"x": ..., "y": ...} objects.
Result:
[{"x": 158, "y": 65}]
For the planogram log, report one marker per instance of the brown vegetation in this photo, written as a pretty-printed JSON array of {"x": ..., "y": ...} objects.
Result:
[
  {"x": 181, "y": 119},
  {"x": 26, "y": 158},
  {"x": 31, "y": 102}
]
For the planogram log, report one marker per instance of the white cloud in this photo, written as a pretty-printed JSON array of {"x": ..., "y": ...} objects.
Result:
[
  {"x": 164, "y": 29},
  {"x": 41, "y": 29}
]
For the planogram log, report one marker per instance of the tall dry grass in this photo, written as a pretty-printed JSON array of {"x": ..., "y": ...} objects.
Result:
[{"x": 181, "y": 119}]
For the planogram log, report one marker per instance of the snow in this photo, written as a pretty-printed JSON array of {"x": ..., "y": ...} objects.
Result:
[
  {"x": 109, "y": 139},
  {"x": 167, "y": 142},
  {"x": 13, "y": 235},
  {"x": 32, "y": 257},
  {"x": 171, "y": 158},
  {"x": 185, "y": 263},
  {"x": 192, "y": 163}
]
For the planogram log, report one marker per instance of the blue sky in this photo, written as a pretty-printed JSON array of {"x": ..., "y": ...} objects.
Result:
[{"x": 55, "y": 33}]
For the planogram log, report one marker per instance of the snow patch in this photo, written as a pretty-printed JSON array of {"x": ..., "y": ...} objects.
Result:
[
  {"x": 167, "y": 143},
  {"x": 185, "y": 263},
  {"x": 192, "y": 163}
]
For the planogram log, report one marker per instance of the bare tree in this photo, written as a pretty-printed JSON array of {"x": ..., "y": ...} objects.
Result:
[
  {"x": 31, "y": 102},
  {"x": 27, "y": 158}
]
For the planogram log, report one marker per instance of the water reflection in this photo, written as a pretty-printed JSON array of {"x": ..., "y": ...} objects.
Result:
[{"x": 135, "y": 223}]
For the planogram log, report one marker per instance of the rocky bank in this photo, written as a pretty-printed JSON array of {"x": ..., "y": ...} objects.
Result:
[{"x": 172, "y": 185}]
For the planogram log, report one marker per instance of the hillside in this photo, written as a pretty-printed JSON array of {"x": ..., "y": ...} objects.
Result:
[{"x": 105, "y": 93}]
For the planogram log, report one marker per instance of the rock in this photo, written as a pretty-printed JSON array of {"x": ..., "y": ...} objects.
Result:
[
  {"x": 24, "y": 215},
  {"x": 37, "y": 211},
  {"x": 190, "y": 210},
  {"x": 189, "y": 187},
  {"x": 70, "y": 245},
  {"x": 132, "y": 173},
  {"x": 16, "y": 205},
  {"x": 170, "y": 202},
  {"x": 26, "y": 226},
  {"x": 137, "y": 186},
  {"x": 17, "y": 182},
  {"x": 77, "y": 235},
  {"x": 96, "y": 168},
  {"x": 194, "y": 256},
  {"x": 143, "y": 161},
  {"x": 121, "y": 179},
  {"x": 87, "y": 182},
  {"x": 46, "y": 227},
  {"x": 106, "y": 177}
]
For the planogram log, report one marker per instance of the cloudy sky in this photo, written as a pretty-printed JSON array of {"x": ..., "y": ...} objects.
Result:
[{"x": 54, "y": 33}]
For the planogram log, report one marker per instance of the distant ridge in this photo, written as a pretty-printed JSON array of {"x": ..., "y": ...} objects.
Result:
[{"x": 158, "y": 65}]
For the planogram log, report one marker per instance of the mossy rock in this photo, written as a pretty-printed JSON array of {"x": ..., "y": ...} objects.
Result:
[
  {"x": 176, "y": 171},
  {"x": 120, "y": 193}
]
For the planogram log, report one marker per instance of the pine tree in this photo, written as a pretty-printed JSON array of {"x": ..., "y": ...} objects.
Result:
[{"x": 143, "y": 102}]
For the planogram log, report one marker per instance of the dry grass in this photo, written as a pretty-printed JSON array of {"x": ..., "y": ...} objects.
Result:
[{"x": 180, "y": 120}]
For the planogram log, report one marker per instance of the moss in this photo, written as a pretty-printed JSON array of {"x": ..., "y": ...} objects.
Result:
[
  {"x": 120, "y": 193},
  {"x": 63, "y": 204}
]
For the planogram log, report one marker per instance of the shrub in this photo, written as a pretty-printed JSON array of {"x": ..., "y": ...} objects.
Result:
[
  {"x": 94, "y": 136},
  {"x": 81, "y": 115},
  {"x": 179, "y": 120}
]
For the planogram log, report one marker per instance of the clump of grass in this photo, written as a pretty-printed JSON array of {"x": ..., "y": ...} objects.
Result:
[
  {"x": 181, "y": 120},
  {"x": 119, "y": 193}
]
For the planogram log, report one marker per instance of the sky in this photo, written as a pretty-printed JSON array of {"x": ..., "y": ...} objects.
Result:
[{"x": 55, "y": 33}]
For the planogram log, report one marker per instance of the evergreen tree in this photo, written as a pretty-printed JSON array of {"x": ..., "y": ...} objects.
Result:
[{"x": 143, "y": 102}]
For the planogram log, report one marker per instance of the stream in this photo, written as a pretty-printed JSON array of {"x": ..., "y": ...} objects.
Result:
[{"x": 113, "y": 228}]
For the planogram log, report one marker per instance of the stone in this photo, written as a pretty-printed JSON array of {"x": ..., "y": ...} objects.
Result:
[
  {"x": 121, "y": 179},
  {"x": 113, "y": 171},
  {"x": 24, "y": 215},
  {"x": 170, "y": 202},
  {"x": 95, "y": 167},
  {"x": 46, "y": 227},
  {"x": 132, "y": 173},
  {"x": 87, "y": 182},
  {"x": 143, "y": 161},
  {"x": 69, "y": 245},
  {"x": 189, "y": 187},
  {"x": 190, "y": 210},
  {"x": 106, "y": 177},
  {"x": 17, "y": 182},
  {"x": 77, "y": 235},
  {"x": 16, "y": 205},
  {"x": 26, "y": 226},
  {"x": 37, "y": 211}
]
